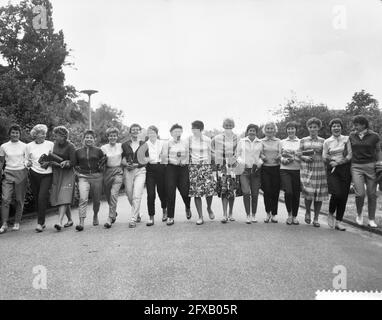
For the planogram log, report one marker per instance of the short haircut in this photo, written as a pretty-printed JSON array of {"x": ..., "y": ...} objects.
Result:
[
  {"x": 111, "y": 130},
  {"x": 135, "y": 125},
  {"x": 362, "y": 120},
  {"x": 198, "y": 125},
  {"x": 291, "y": 124},
  {"x": 336, "y": 121},
  {"x": 39, "y": 128},
  {"x": 89, "y": 133},
  {"x": 251, "y": 126},
  {"x": 14, "y": 127},
  {"x": 228, "y": 121},
  {"x": 62, "y": 131},
  {"x": 314, "y": 120},
  {"x": 270, "y": 123},
  {"x": 176, "y": 126},
  {"x": 153, "y": 128}
]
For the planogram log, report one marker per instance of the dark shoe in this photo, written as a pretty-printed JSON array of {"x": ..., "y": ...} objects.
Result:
[
  {"x": 113, "y": 220},
  {"x": 57, "y": 227},
  {"x": 79, "y": 228},
  {"x": 164, "y": 219},
  {"x": 68, "y": 224},
  {"x": 188, "y": 214},
  {"x": 107, "y": 225},
  {"x": 308, "y": 219},
  {"x": 139, "y": 219}
]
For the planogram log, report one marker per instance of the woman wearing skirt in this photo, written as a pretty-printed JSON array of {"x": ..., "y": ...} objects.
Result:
[
  {"x": 202, "y": 183},
  {"x": 63, "y": 180},
  {"x": 337, "y": 154},
  {"x": 224, "y": 156},
  {"x": 313, "y": 172}
]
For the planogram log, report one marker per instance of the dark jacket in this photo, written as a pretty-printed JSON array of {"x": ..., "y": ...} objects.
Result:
[
  {"x": 365, "y": 150},
  {"x": 87, "y": 160},
  {"x": 130, "y": 155}
]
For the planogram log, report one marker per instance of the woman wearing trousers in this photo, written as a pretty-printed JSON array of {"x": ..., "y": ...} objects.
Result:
[
  {"x": 155, "y": 175},
  {"x": 367, "y": 159},
  {"x": 88, "y": 163},
  {"x": 290, "y": 173},
  {"x": 15, "y": 177},
  {"x": 337, "y": 154},
  {"x": 134, "y": 173},
  {"x": 175, "y": 155},
  {"x": 270, "y": 172},
  {"x": 113, "y": 175},
  {"x": 40, "y": 174},
  {"x": 248, "y": 155}
]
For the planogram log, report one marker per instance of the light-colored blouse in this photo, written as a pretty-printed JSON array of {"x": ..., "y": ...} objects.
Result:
[
  {"x": 337, "y": 149},
  {"x": 271, "y": 151}
]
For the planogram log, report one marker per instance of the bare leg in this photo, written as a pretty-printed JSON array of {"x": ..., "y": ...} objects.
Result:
[
  {"x": 231, "y": 203},
  {"x": 317, "y": 209},
  {"x": 308, "y": 205}
]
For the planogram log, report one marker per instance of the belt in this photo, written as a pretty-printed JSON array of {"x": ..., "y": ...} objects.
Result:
[{"x": 81, "y": 171}]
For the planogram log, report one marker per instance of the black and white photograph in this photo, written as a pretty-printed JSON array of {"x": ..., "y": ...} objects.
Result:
[{"x": 190, "y": 155}]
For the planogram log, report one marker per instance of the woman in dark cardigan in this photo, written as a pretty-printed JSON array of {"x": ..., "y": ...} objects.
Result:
[{"x": 63, "y": 175}]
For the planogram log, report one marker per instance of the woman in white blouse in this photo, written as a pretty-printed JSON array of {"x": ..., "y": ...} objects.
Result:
[{"x": 337, "y": 154}]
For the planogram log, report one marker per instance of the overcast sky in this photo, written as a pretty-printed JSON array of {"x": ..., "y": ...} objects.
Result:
[{"x": 167, "y": 61}]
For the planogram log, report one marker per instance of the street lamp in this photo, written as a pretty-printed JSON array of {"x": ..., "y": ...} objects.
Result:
[{"x": 89, "y": 93}]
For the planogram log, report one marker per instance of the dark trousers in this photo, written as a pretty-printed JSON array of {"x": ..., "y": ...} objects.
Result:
[
  {"x": 177, "y": 177},
  {"x": 40, "y": 185},
  {"x": 291, "y": 184},
  {"x": 270, "y": 183},
  {"x": 339, "y": 186},
  {"x": 155, "y": 178}
]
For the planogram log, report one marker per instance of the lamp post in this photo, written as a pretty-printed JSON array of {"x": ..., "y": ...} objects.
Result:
[{"x": 89, "y": 93}]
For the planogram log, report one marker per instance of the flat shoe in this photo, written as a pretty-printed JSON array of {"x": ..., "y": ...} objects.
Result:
[
  {"x": 132, "y": 224},
  {"x": 57, "y": 227},
  {"x": 69, "y": 224},
  {"x": 188, "y": 214},
  {"x": 170, "y": 222},
  {"x": 289, "y": 221},
  {"x": 107, "y": 225},
  {"x": 316, "y": 224},
  {"x": 274, "y": 220},
  {"x": 224, "y": 220},
  {"x": 340, "y": 228},
  {"x": 79, "y": 228},
  {"x": 232, "y": 219},
  {"x": 199, "y": 222},
  {"x": 113, "y": 220},
  {"x": 295, "y": 222},
  {"x": 308, "y": 220},
  {"x": 150, "y": 223}
]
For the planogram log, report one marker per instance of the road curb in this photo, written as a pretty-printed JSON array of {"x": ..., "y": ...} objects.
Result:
[{"x": 345, "y": 220}]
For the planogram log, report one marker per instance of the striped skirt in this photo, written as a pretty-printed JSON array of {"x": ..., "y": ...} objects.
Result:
[{"x": 314, "y": 183}]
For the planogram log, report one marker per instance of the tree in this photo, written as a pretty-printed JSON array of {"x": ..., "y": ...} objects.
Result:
[
  {"x": 32, "y": 79},
  {"x": 364, "y": 104}
]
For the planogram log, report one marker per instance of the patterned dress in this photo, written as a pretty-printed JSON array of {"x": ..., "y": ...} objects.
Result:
[{"x": 313, "y": 175}]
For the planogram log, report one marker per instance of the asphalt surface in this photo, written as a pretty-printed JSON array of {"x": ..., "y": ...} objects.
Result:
[{"x": 185, "y": 261}]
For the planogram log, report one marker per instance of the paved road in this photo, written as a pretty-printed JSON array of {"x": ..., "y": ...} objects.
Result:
[{"x": 185, "y": 261}]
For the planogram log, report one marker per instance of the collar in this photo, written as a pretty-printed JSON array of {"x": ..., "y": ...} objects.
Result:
[
  {"x": 256, "y": 140},
  {"x": 289, "y": 139},
  {"x": 364, "y": 132},
  {"x": 270, "y": 139}
]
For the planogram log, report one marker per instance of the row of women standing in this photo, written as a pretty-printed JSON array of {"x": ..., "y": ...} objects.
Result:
[{"x": 198, "y": 167}]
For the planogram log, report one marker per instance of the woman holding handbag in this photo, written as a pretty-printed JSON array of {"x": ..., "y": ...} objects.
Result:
[
  {"x": 248, "y": 154},
  {"x": 337, "y": 154}
]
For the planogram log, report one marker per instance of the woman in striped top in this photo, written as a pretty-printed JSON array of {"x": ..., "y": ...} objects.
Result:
[
  {"x": 313, "y": 172},
  {"x": 223, "y": 150},
  {"x": 270, "y": 172}
]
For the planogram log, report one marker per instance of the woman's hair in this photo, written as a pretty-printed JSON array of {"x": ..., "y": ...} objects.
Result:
[
  {"x": 135, "y": 125},
  {"x": 336, "y": 121},
  {"x": 89, "y": 133},
  {"x": 198, "y": 125},
  {"x": 251, "y": 126},
  {"x": 40, "y": 128},
  {"x": 14, "y": 127},
  {"x": 176, "y": 126},
  {"x": 314, "y": 120},
  {"x": 361, "y": 120},
  {"x": 62, "y": 131},
  {"x": 292, "y": 124},
  {"x": 270, "y": 123},
  {"x": 228, "y": 121},
  {"x": 112, "y": 130},
  {"x": 153, "y": 128}
]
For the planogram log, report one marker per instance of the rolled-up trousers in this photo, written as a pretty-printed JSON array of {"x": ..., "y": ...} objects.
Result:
[{"x": 270, "y": 183}]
